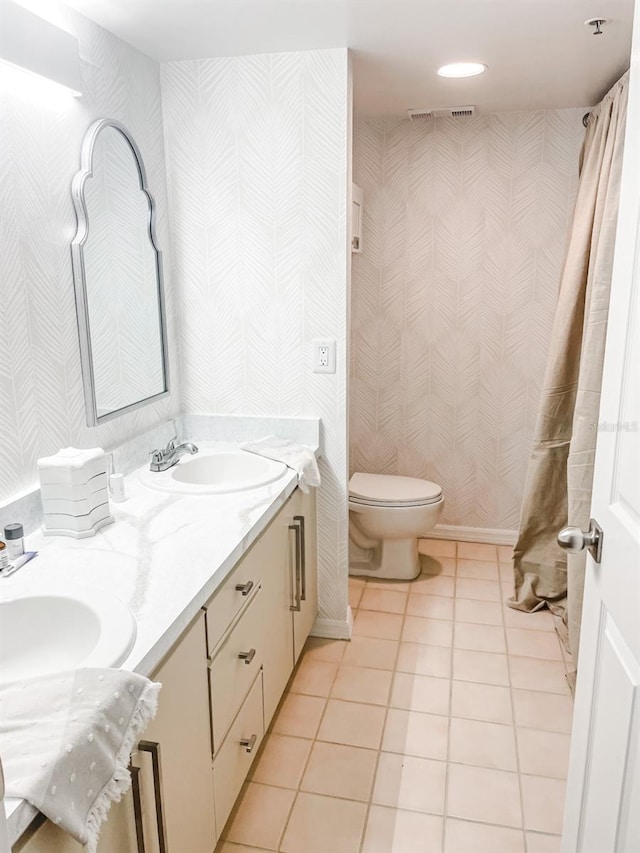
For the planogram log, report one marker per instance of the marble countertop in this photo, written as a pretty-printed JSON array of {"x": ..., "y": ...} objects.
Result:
[{"x": 165, "y": 556}]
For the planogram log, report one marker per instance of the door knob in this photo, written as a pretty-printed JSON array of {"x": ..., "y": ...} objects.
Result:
[{"x": 574, "y": 540}]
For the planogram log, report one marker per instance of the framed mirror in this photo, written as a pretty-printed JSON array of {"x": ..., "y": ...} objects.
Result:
[{"x": 117, "y": 274}]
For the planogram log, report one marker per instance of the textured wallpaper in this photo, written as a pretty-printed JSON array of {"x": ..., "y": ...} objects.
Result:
[
  {"x": 453, "y": 299},
  {"x": 257, "y": 163},
  {"x": 42, "y": 406}
]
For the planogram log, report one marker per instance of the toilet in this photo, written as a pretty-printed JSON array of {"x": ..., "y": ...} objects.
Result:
[{"x": 387, "y": 515}]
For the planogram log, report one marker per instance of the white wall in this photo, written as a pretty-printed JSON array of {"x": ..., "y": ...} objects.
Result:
[
  {"x": 257, "y": 163},
  {"x": 465, "y": 224},
  {"x": 41, "y": 401}
]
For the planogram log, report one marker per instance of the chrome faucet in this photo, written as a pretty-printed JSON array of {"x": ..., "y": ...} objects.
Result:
[{"x": 163, "y": 459}]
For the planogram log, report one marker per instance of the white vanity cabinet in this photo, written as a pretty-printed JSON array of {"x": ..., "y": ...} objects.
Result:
[
  {"x": 172, "y": 791},
  {"x": 222, "y": 682},
  {"x": 251, "y": 663}
]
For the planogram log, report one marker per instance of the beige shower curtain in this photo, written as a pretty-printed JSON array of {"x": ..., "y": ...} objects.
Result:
[{"x": 560, "y": 472}]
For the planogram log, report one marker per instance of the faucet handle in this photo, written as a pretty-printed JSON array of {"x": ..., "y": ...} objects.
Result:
[
  {"x": 171, "y": 444},
  {"x": 156, "y": 455}
]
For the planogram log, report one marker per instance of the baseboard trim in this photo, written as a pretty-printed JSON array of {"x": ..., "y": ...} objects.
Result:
[
  {"x": 333, "y": 629},
  {"x": 485, "y": 535}
]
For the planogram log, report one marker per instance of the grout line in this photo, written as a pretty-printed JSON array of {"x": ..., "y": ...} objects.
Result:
[
  {"x": 445, "y": 807},
  {"x": 384, "y": 725},
  {"x": 513, "y": 728}
]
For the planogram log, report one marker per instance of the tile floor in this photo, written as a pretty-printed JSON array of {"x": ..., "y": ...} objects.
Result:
[{"x": 442, "y": 727}]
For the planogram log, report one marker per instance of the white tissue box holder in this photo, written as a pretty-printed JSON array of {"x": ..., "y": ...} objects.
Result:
[{"x": 75, "y": 498}]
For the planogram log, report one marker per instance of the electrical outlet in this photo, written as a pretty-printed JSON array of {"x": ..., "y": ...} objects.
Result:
[{"x": 324, "y": 355}]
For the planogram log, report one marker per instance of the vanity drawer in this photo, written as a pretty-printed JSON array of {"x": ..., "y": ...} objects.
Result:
[
  {"x": 235, "y": 665},
  {"x": 233, "y": 761},
  {"x": 228, "y": 601}
]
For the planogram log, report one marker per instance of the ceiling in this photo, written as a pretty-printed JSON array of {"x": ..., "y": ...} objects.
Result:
[{"x": 538, "y": 52}]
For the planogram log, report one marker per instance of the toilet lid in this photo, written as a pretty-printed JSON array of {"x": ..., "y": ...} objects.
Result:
[{"x": 391, "y": 490}]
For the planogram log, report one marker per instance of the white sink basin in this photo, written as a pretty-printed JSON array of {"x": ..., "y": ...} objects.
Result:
[
  {"x": 213, "y": 472},
  {"x": 46, "y": 633}
]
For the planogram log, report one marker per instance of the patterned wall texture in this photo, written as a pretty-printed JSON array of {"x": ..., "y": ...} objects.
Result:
[
  {"x": 453, "y": 299},
  {"x": 42, "y": 406},
  {"x": 257, "y": 163}
]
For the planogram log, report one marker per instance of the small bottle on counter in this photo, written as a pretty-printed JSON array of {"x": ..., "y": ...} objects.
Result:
[
  {"x": 14, "y": 538},
  {"x": 4, "y": 559}
]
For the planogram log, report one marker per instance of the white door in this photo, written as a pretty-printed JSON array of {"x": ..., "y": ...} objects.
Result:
[{"x": 602, "y": 813}]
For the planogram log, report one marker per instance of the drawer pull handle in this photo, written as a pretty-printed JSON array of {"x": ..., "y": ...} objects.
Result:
[
  {"x": 249, "y": 743},
  {"x": 247, "y": 657},
  {"x": 244, "y": 588}
]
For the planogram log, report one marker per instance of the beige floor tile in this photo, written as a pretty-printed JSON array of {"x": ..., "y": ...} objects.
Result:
[
  {"x": 481, "y": 667},
  {"x": 412, "y": 733},
  {"x": 505, "y": 553},
  {"x": 430, "y": 606},
  {"x": 489, "y": 796},
  {"x": 478, "y": 570},
  {"x": 533, "y": 644},
  {"x": 543, "y": 753},
  {"x": 479, "y": 638},
  {"x": 397, "y": 831},
  {"x": 321, "y": 824},
  {"x": 424, "y": 660},
  {"x": 356, "y": 588},
  {"x": 466, "y": 837},
  {"x": 352, "y": 724},
  {"x": 437, "y": 547},
  {"x": 368, "y": 651},
  {"x": 533, "y": 674},
  {"x": 372, "y": 623},
  {"x": 481, "y": 702},
  {"x": 433, "y": 585},
  {"x": 282, "y": 761},
  {"x": 547, "y": 711},
  {"x": 314, "y": 677},
  {"x": 387, "y": 583},
  {"x": 362, "y": 684},
  {"x": 383, "y": 599},
  {"x": 261, "y": 817},
  {"x": 228, "y": 847},
  {"x": 438, "y": 566},
  {"x": 340, "y": 771},
  {"x": 477, "y": 551},
  {"x": 483, "y": 744},
  {"x": 480, "y": 612},
  {"x": 318, "y": 648},
  {"x": 420, "y": 693},
  {"x": 299, "y": 715},
  {"x": 432, "y": 632},
  {"x": 478, "y": 590},
  {"x": 508, "y": 590},
  {"x": 537, "y": 843},
  {"x": 406, "y": 782},
  {"x": 543, "y": 802},
  {"x": 541, "y": 620}
]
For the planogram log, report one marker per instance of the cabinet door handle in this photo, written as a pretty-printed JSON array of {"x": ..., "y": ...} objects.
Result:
[
  {"x": 244, "y": 588},
  {"x": 303, "y": 553},
  {"x": 153, "y": 747},
  {"x": 137, "y": 806},
  {"x": 249, "y": 743},
  {"x": 296, "y": 605},
  {"x": 247, "y": 657}
]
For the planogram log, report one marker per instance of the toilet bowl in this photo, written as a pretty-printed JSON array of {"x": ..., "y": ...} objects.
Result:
[{"x": 387, "y": 514}]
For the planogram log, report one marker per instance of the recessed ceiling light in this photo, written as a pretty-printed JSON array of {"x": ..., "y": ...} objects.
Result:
[{"x": 462, "y": 69}]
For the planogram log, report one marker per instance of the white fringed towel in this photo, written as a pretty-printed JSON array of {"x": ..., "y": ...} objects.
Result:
[
  {"x": 296, "y": 456},
  {"x": 66, "y": 741}
]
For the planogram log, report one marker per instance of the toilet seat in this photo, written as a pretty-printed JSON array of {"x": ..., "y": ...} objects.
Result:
[{"x": 391, "y": 490}]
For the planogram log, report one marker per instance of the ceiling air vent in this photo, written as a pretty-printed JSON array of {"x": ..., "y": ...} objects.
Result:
[{"x": 443, "y": 112}]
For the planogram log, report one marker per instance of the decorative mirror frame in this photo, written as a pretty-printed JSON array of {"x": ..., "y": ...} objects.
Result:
[{"x": 79, "y": 273}]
